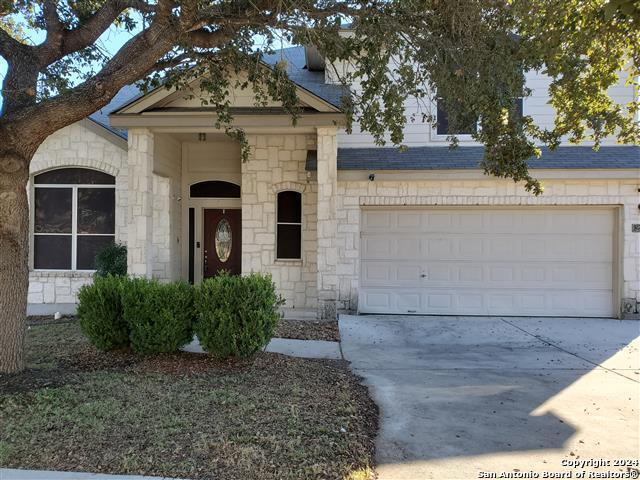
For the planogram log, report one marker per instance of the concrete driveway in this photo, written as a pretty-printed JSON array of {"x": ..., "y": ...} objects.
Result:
[{"x": 460, "y": 396}]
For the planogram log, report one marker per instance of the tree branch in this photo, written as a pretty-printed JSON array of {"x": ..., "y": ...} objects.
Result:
[
  {"x": 9, "y": 46},
  {"x": 50, "y": 13},
  {"x": 89, "y": 31},
  {"x": 206, "y": 39},
  {"x": 132, "y": 62}
]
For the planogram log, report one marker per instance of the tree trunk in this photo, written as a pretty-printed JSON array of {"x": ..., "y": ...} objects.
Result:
[{"x": 14, "y": 255}]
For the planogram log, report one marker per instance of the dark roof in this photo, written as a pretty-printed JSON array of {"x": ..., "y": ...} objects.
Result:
[
  {"x": 126, "y": 94},
  {"x": 311, "y": 81},
  {"x": 296, "y": 68},
  {"x": 463, "y": 158}
]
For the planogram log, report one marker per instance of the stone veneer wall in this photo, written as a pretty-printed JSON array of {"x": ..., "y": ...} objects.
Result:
[
  {"x": 354, "y": 194},
  {"x": 167, "y": 214},
  {"x": 277, "y": 163},
  {"x": 162, "y": 235},
  {"x": 78, "y": 146}
]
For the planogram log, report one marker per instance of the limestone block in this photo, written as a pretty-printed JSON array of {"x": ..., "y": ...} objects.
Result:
[{"x": 49, "y": 293}]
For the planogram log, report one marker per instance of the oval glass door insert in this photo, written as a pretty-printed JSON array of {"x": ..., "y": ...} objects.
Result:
[{"x": 223, "y": 240}]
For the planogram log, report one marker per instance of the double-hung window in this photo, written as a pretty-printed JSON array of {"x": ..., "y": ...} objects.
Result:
[
  {"x": 74, "y": 218},
  {"x": 289, "y": 226}
]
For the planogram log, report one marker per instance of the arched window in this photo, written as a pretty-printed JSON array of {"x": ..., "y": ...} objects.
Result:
[
  {"x": 214, "y": 189},
  {"x": 289, "y": 226},
  {"x": 74, "y": 218}
]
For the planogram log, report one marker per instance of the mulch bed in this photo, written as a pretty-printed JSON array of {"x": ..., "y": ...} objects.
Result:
[
  {"x": 33, "y": 320},
  {"x": 308, "y": 330},
  {"x": 183, "y": 415}
]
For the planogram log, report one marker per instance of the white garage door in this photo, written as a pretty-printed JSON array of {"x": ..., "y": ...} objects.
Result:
[{"x": 481, "y": 261}]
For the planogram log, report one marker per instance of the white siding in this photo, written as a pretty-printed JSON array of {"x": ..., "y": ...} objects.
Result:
[{"x": 420, "y": 134}]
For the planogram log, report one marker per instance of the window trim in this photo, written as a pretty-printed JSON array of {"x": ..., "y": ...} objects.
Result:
[
  {"x": 74, "y": 223},
  {"x": 301, "y": 224}
]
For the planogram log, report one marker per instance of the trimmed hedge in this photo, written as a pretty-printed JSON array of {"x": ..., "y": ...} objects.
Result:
[
  {"x": 100, "y": 313},
  {"x": 236, "y": 316},
  {"x": 233, "y": 316},
  {"x": 111, "y": 260},
  {"x": 159, "y": 315}
]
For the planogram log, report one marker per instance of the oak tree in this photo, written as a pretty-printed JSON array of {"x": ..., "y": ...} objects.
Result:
[{"x": 471, "y": 54}]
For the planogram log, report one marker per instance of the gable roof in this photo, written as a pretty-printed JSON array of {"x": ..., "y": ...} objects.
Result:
[
  {"x": 126, "y": 95},
  {"x": 464, "y": 158},
  {"x": 312, "y": 82},
  {"x": 312, "y": 90}
]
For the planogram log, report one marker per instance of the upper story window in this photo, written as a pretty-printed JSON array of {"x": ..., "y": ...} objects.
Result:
[
  {"x": 469, "y": 126},
  {"x": 289, "y": 226},
  {"x": 74, "y": 218}
]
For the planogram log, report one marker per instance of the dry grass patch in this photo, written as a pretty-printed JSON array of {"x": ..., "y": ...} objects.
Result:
[{"x": 185, "y": 415}]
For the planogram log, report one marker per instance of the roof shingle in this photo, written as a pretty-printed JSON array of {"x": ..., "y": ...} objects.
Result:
[{"x": 463, "y": 158}]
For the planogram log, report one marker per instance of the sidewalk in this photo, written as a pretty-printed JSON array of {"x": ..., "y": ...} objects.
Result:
[
  {"x": 289, "y": 347},
  {"x": 13, "y": 474}
]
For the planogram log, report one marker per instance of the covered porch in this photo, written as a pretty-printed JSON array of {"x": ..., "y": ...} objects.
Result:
[{"x": 195, "y": 207}]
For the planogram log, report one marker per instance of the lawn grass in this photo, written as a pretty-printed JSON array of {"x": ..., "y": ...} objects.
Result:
[{"x": 184, "y": 415}]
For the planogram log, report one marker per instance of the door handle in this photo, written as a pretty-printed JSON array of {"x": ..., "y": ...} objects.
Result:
[{"x": 424, "y": 275}]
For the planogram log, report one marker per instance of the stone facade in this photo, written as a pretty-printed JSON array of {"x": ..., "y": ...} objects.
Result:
[
  {"x": 59, "y": 288},
  {"x": 327, "y": 254},
  {"x": 277, "y": 163},
  {"x": 167, "y": 218},
  {"x": 78, "y": 145},
  {"x": 150, "y": 183}
]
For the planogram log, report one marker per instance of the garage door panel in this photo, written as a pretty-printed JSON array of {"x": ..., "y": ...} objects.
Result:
[
  {"x": 410, "y": 220},
  {"x": 553, "y": 261},
  {"x": 506, "y": 275},
  {"x": 492, "y": 302},
  {"x": 410, "y": 247},
  {"x": 373, "y": 220},
  {"x": 409, "y": 301},
  {"x": 543, "y": 248}
]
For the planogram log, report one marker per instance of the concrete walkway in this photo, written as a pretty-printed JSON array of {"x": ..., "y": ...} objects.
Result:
[
  {"x": 13, "y": 474},
  {"x": 305, "y": 348},
  {"x": 289, "y": 347},
  {"x": 460, "y": 396}
]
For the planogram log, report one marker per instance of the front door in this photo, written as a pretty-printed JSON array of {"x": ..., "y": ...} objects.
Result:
[{"x": 222, "y": 240}]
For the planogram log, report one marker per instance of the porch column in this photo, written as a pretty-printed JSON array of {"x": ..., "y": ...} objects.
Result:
[
  {"x": 327, "y": 222},
  {"x": 140, "y": 202}
]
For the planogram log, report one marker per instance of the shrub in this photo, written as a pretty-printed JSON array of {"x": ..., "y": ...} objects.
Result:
[
  {"x": 112, "y": 260},
  {"x": 160, "y": 316},
  {"x": 100, "y": 313},
  {"x": 236, "y": 316}
]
